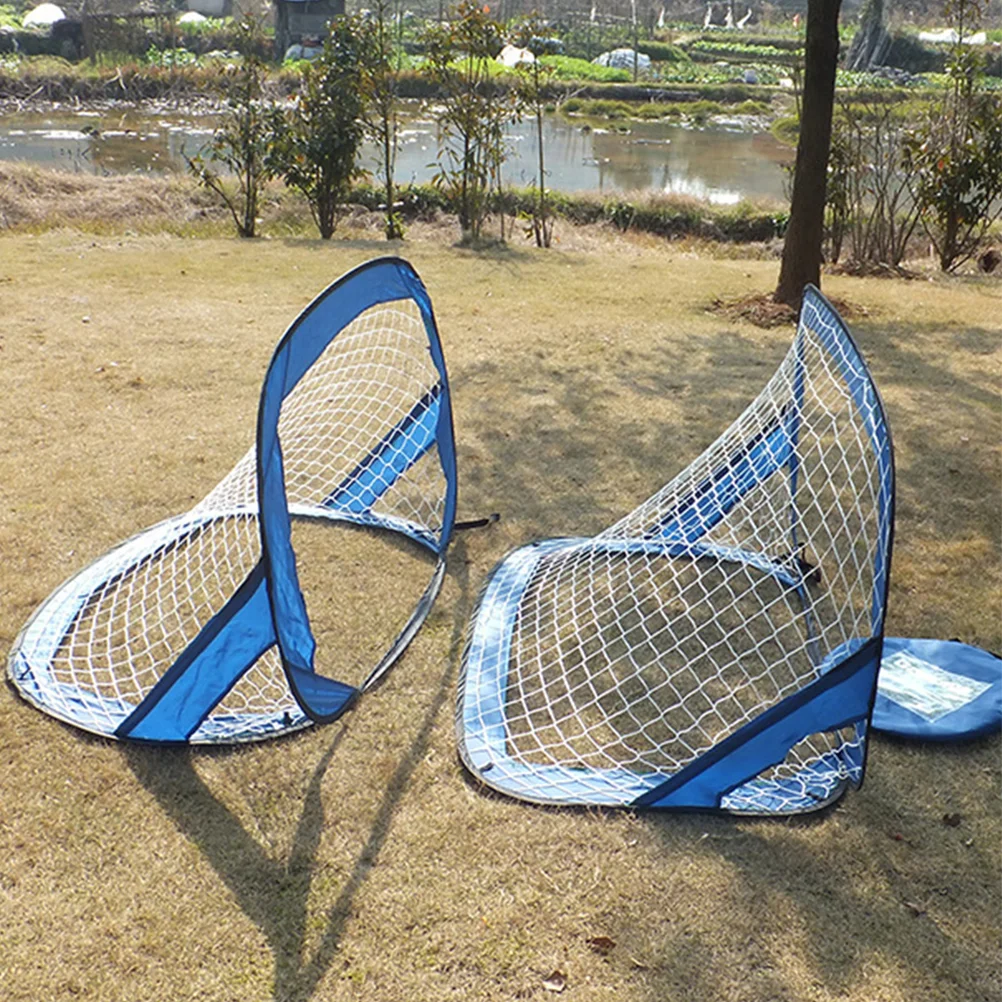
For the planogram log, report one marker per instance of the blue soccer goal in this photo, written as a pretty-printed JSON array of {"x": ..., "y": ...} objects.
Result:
[
  {"x": 197, "y": 629},
  {"x": 718, "y": 647}
]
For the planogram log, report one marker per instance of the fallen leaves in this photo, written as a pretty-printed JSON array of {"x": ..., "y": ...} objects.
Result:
[
  {"x": 602, "y": 945},
  {"x": 556, "y": 982}
]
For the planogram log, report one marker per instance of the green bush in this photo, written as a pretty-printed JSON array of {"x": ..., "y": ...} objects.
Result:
[
  {"x": 654, "y": 111},
  {"x": 907, "y": 53},
  {"x": 786, "y": 129},
  {"x": 662, "y": 52},
  {"x": 598, "y": 108},
  {"x": 741, "y": 50},
  {"x": 703, "y": 109},
  {"x": 752, "y": 108},
  {"x": 789, "y": 43}
]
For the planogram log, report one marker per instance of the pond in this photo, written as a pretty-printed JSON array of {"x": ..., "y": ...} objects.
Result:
[{"x": 723, "y": 162}]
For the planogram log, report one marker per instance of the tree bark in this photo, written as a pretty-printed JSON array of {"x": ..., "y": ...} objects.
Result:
[
  {"x": 802, "y": 248},
  {"x": 871, "y": 41}
]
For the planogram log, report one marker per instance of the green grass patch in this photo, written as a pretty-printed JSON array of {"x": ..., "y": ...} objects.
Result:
[
  {"x": 570, "y": 68},
  {"x": 786, "y": 129},
  {"x": 699, "y": 110}
]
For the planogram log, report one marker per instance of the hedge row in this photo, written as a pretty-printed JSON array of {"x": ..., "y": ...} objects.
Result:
[{"x": 660, "y": 214}]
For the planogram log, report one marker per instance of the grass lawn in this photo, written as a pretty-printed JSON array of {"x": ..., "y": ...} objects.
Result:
[{"x": 356, "y": 861}]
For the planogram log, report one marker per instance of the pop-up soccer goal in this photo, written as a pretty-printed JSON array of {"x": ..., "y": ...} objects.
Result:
[
  {"x": 197, "y": 629},
  {"x": 718, "y": 647}
]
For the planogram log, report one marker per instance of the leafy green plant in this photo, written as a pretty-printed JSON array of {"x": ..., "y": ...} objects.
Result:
[
  {"x": 662, "y": 52},
  {"x": 867, "y": 197},
  {"x": 569, "y": 68},
  {"x": 533, "y": 79},
  {"x": 738, "y": 49},
  {"x": 957, "y": 164},
  {"x": 317, "y": 141},
  {"x": 235, "y": 163},
  {"x": 475, "y": 110},
  {"x": 169, "y": 57},
  {"x": 380, "y": 79},
  {"x": 955, "y": 156}
]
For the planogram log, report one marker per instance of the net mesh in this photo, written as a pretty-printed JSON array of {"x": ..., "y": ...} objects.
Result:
[
  {"x": 98, "y": 646},
  {"x": 630, "y": 655}
]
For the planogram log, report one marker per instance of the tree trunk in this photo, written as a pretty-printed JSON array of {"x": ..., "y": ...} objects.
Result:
[
  {"x": 870, "y": 43},
  {"x": 802, "y": 247}
]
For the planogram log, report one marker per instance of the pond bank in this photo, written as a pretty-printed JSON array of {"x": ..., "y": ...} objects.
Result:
[
  {"x": 33, "y": 199},
  {"x": 52, "y": 78}
]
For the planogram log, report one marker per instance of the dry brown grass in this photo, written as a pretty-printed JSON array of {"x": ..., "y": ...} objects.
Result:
[{"x": 356, "y": 861}]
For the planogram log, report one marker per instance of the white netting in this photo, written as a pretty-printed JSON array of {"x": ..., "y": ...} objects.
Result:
[
  {"x": 633, "y": 653},
  {"x": 98, "y": 646}
]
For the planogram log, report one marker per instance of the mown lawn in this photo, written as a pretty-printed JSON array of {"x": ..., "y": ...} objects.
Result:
[{"x": 357, "y": 861}]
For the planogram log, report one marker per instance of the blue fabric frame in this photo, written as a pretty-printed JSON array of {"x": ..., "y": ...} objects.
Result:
[
  {"x": 841, "y": 695},
  {"x": 268, "y": 608}
]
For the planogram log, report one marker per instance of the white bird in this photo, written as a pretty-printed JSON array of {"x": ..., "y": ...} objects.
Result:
[
  {"x": 708, "y": 20},
  {"x": 744, "y": 20},
  {"x": 728, "y": 19}
]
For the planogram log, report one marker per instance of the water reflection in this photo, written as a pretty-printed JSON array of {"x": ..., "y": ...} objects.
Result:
[{"x": 721, "y": 163}]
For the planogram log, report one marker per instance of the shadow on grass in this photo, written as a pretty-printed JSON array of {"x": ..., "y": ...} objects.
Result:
[
  {"x": 845, "y": 893},
  {"x": 274, "y": 894},
  {"x": 590, "y": 458},
  {"x": 942, "y": 483}
]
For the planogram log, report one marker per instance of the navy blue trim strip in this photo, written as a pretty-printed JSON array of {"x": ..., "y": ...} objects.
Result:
[
  {"x": 853, "y": 664},
  {"x": 367, "y": 483},
  {"x": 674, "y": 523}
]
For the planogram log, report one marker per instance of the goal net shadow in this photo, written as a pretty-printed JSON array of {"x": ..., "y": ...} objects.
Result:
[
  {"x": 718, "y": 647},
  {"x": 198, "y": 629}
]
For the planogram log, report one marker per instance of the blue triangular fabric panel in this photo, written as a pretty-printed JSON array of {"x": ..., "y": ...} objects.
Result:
[
  {"x": 839, "y": 697},
  {"x": 209, "y": 667}
]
